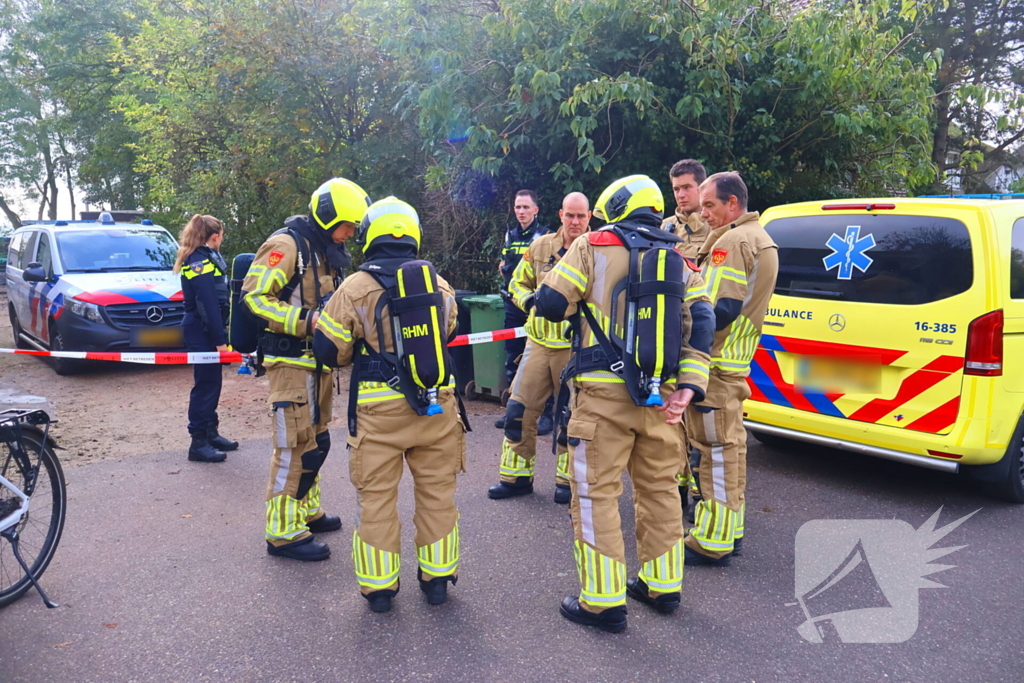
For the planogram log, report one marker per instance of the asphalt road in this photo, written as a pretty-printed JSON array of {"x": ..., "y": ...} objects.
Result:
[{"x": 162, "y": 576}]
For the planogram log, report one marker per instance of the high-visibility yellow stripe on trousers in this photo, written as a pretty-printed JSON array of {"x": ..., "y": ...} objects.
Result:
[
  {"x": 376, "y": 569},
  {"x": 440, "y": 558},
  {"x": 602, "y": 579},
  {"x": 664, "y": 574}
]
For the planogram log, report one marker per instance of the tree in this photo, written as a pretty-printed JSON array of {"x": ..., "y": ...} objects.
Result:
[
  {"x": 242, "y": 108},
  {"x": 979, "y": 83}
]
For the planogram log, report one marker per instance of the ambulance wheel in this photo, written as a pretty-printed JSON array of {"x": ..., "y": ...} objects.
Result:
[
  {"x": 62, "y": 366},
  {"x": 1011, "y": 486},
  {"x": 1003, "y": 479},
  {"x": 780, "y": 443},
  {"x": 471, "y": 392},
  {"x": 16, "y": 330}
]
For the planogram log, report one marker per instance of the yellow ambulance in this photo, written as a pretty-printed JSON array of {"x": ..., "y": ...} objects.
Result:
[{"x": 897, "y": 330}]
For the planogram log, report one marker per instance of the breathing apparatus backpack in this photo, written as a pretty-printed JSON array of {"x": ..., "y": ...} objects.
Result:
[
  {"x": 647, "y": 353},
  {"x": 420, "y": 363},
  {"x": 245, "y": 327}
]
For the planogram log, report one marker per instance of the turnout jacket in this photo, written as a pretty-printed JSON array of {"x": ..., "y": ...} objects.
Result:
[
  {"x": 538, "y": 261},
  {"x": 350, "y": 316},
  {"x": 740, "y": 263},
  {"x": 587, "y": 275},
  {"x": 691, "y": 228},
  {"x": 275, "y": 263},
  {"x": 204, "y": 287}
]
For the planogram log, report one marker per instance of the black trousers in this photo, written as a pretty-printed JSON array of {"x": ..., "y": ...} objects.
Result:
[{"x": 202, "y": 402}]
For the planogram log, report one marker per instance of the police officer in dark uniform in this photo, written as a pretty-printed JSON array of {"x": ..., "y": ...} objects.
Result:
[
  {"x": 518, "y": 238},
  {"x": 205, "y": 290}
]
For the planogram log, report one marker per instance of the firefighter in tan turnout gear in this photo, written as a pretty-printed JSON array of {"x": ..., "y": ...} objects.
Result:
[
  {"x": 293, "y": 273},
  {"x": 642, "y": 331},
  {"x": 545, "y": 356},
  {"x": 687, "y": 223},
  {"x": 740, "y": 263},
  {"x": 392, "y": 320}
]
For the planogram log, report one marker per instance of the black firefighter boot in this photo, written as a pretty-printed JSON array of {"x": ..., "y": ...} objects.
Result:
[
  {"x": 437, "y": 588},
  {"x": 218, "y": 441},
  {"x": 201, "y": 450}
]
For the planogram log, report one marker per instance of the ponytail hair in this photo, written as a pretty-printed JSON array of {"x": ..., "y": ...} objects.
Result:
[{"x": 195, "y": 234}]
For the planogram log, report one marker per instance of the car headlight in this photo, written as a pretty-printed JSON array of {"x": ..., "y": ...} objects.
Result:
[{"x": 86, "y": 310}]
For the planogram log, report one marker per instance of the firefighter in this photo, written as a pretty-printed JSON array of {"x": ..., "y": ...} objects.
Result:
[
  {"x": 605, "y": 284},
  {"x": 518, "y": 238},
  {"x": 391, "y": 320},
  {"x": 547, "y": 352},
  {"x": 293, "y": 273},
  {"x": 204, "y": 288},
  {"x": 739, "y": 262},
  {"x": 686, "y": 176}
]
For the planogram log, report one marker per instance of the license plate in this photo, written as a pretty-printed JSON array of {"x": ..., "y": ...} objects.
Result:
[
  {"x": 829, "y": 375},
  {"x": 158, "y": 337}
]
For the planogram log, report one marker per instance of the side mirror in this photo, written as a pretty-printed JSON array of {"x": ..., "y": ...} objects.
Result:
[{"x": 34, "y": 273}]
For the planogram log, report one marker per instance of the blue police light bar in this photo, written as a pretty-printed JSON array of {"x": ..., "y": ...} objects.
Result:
[{"x": 146, "y": 221}]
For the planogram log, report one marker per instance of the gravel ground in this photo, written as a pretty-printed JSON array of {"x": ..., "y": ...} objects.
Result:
[{"x": 113, "y": 410}]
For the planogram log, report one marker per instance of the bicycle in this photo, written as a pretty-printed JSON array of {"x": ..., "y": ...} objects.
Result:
[{"x": 33, "y": 502}]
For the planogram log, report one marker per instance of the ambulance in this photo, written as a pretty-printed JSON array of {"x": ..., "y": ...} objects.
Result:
[
  {"x": 896, "y": 330},
  {"x": 96, "y": 285}
]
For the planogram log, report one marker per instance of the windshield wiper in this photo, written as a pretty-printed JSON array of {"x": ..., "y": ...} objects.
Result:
[
  {"x": 85, "y": 270},
  {"x": 107, "y": 269}
]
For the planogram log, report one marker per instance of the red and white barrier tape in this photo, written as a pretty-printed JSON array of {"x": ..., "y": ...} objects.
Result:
[{"x": 205, "y": 357}]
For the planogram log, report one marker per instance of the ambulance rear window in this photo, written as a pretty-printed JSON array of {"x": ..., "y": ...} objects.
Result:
[{"x": 883, "y": 259}]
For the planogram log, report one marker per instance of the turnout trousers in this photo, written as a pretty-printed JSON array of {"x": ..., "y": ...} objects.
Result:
[
  {"x": 537, "y": 378},
  {"x": 300, "y": 448},
  {"x": 716, "y": 432},
  {"x": 608, "y": 433},
  {"x": 389, "y": 434}
]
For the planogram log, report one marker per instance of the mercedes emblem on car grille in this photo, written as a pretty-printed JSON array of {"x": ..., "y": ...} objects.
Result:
[{"x": 154, "y": 314}]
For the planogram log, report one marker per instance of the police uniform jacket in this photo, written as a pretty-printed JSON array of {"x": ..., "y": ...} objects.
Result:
[
  {"x": 587, "y": 275},
  {"x": 275, "y": 263},
  {"x": 540, "y": 258},
  {"x": 517, "y": 241},
  {"x": 204, "y": 287},
  {"x": 740, "y": 263},
  {"x": 350, "y": 316},
  {"x": 689, "y": 227}
]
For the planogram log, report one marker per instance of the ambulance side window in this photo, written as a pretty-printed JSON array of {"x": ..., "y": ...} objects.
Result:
[{"x": 1017, "y": 260}]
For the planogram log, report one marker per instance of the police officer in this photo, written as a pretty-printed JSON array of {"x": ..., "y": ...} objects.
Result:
[
  {"x": 547, "y": 352},
  {"x": 204, "y": 287},
  {"x": 393, "y": 419},
  {"x": 610, "y": 427},
  {"x": 293, "y": 273},
  {"x": 518, "y": 237},
  {"x": 740, "y": 263},
  {"x": 686, "y": 176}
]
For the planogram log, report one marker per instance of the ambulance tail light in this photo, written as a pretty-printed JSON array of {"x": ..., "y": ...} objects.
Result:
[{"x": 985, "y": 346}]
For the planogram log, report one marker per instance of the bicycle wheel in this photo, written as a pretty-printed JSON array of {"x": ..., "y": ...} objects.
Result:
[{"x": 40, "y": 530}]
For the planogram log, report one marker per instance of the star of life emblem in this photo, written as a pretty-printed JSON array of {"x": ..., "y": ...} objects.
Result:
[{"x": 848, "y": 253}]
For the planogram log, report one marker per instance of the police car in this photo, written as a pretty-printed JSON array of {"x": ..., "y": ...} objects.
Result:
[
  {"x": 897, "y": 330},
  {"x": 93, "y": 286}
]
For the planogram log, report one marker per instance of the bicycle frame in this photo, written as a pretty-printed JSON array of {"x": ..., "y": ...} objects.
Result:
[{"x": 19, "y": 513}]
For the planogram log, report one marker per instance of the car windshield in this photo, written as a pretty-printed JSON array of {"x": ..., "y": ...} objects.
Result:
[{"x": 116, "y": 249}]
